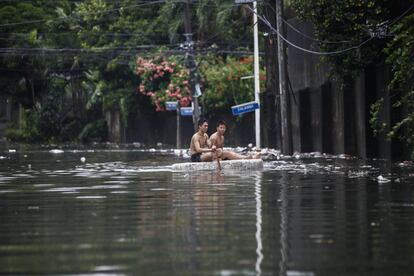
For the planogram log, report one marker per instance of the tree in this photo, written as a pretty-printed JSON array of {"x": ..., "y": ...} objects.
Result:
[
  {"x": 400, "y": 55},
  {"x": 223, "y": 83},
  {"x": 164, "y": 80},
  {"x": 340, "y": 25}
]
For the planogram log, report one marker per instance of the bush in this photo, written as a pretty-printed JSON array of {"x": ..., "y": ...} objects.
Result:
[{"x": 94, "y": 132}]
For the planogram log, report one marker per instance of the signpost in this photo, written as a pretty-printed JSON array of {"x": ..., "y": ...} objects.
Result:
[{"x": 244, "y": 108}]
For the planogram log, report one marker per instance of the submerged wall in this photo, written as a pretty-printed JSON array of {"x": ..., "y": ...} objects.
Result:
[{"x": 329, "y": 116}]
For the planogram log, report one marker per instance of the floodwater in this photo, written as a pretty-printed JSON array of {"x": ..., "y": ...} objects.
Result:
[{"x": 121, "y": 211}]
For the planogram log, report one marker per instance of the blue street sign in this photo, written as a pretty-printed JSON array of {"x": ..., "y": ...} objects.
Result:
[
  {"x": 244, "y": 108},
  {"x": 188, "y": 111},
  {"x": 171, "y": 106}
]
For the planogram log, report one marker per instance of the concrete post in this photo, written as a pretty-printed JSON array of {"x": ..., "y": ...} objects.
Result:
[{"x": 361, "y": 124}]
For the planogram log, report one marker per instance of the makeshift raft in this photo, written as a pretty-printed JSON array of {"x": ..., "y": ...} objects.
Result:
[{"x": 236, "y": 165}]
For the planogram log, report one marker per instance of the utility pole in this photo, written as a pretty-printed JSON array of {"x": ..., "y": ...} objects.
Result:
[
  {"x": 256, "y": 74},
  {"x": 178, "y": 134},
  {"x": 284, "y": 97},
  {"x": 191, "y": 64}
]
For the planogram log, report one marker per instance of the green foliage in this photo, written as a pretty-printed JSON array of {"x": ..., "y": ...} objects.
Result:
[
  {"x": 375, "y": 121},
  {"x": 346, "y": 23},
  {"x": 94, "y": 132},
  {"x": 223, "y": 86},
  {"x": 94, "y": 70},
  {"x": 400, "y": 55},
  {"x": 28, "y": 131}
]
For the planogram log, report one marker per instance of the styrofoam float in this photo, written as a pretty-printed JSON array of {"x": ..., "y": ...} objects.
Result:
[{"x": 237, "y": 165}]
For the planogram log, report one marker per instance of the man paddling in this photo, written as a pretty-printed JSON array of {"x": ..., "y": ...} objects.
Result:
[
  {"x": 217, "y": 140},
  {"x": 201, "y": 148}
]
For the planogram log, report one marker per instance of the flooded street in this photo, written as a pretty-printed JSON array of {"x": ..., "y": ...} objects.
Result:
[{"x": 124, "y": 212}]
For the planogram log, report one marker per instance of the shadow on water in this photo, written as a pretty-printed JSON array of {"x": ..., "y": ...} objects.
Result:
[{"x": 123, "y": 212}]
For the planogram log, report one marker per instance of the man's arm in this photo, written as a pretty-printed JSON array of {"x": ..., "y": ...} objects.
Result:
[
  {"x": 199, "y": 149},
  {"x": 211, "y": 142},
  {"x": 214, "y": 140}
]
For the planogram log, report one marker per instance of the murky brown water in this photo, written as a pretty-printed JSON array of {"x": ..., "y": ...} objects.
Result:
[{"x": 122, "y": 212}]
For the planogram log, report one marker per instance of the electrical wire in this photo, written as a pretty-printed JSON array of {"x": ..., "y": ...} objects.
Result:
[
  {"x": 307, "y": 36},
  {"x": 267, "y": 23},
  {"x": 91, "y": 13},
  {"x": 401, "y": 15}
]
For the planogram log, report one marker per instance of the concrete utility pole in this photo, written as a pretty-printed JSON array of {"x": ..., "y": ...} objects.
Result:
[
  {"x": 284, "y": 97},
  {"x": 191, "y": 64},
  {"x": 256, "y": 73},
  {"x": 178, "y": 133}
]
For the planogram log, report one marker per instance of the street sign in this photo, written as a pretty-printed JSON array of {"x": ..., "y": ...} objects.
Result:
[
  {"x": 188, "y": 111},
  {"x": 244, "y": 108},
  {"x": 171, "y": 106}
]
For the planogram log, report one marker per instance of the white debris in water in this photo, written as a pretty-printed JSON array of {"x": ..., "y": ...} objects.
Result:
[
  {"x": 29, "y": 166},
  {"x": 3, "y": 157},
  {"x": 159, "y": 144},
  {"x": 83, "y": 159},
  {"x": 25, "y": 156},
  {"x": 356, "y": 174},
  {"x": 316, "y": 154},
  {"x": 56, "y": 151},
  {"x": 152, "y": 150},
  {"x": 299, "y": 273},
  {"x": 12, "y": 150},
  {"x": 186, "y": 154},
  {"x": 250, "y": 145},
  {"x": 382, "y": 179}
]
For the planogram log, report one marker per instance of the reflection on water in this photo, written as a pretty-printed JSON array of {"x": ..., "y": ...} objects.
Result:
[{"x": 123, "y": 212}]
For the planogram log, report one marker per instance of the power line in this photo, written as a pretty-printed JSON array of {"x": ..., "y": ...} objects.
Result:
[
  {"x": 91, "y": 13},
  {"x": 267, "y": 23},
  {"x": 401, "y": 15},
  {"x": 307, "y": 36}
]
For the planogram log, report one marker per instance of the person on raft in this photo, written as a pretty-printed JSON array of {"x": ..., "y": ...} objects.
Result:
[
  {"x": 217, "y": 140},
  {"x": 201, "y": 149}
]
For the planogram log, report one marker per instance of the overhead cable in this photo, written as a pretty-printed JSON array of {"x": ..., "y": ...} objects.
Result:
[
  {"x": 91, "y": 13},
  {"x": 307, "y": 36},
  {"x": 266, "y": 22}
]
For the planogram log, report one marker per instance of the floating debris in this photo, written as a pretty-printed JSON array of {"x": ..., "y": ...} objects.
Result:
[
  {"x": 83, "y": 159},
  {"x": 56, "y": 151},
  {"x": 382, "y": 179}
]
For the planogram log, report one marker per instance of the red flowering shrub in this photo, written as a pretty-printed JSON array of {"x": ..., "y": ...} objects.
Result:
[{"x": 163, "y": 80}]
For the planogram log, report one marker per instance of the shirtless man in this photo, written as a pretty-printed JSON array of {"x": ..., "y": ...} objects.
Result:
[
  {"x": 201, "y": 148},
  {"x": 217, "y": 139}
]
